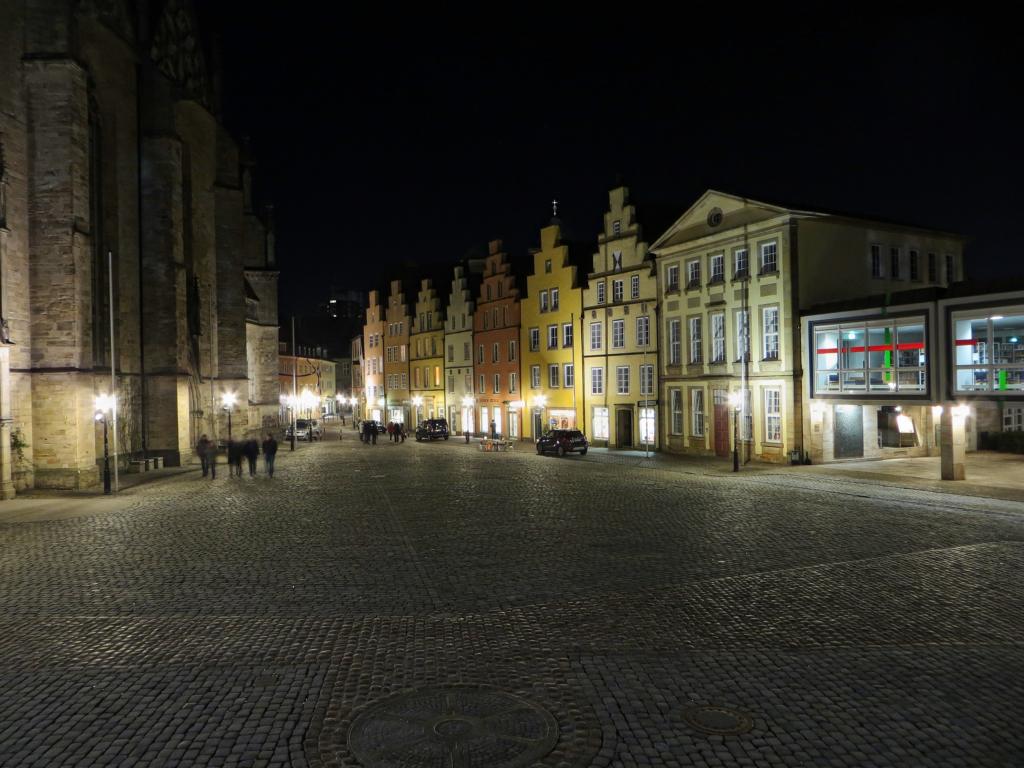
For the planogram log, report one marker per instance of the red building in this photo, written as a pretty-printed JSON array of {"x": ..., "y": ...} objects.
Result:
[{"x": 499, "y": 403}]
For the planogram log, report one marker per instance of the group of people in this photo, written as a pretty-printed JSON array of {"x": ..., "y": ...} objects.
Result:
[
  {"x": 237, "y": 450},
  {"x": 368, "y": 432}
]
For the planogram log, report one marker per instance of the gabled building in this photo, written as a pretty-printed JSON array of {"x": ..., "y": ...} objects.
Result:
[
  {"x": 397, "y": 396},
  {"x": 734, "y": 274},
  {"x": 426, "y": 354},
  {"x": 373, "y": 359},
  {"x": 458, "y": 341},
  {"x": 620, "y": 338},
  {"x": 496, "y": 338},
  {"x": 357, "y": 394},
  {"x": 551, "y": 349}
]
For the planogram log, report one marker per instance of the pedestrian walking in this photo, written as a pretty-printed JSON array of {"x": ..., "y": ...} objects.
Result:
[
  {"x": 269, "y": 454},
  {"x": 234, "y": 458},
  {"x": 251, "y": 451},
  {"x": 373, "y": 432},
  {"x": 401, "y": 432},
  {"x": 203, "y": 448}
]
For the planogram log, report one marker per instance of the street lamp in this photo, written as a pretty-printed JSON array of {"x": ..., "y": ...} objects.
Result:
[
  {"x": 735, "y": 398},
  {"x": 467, "y": 405},
  {"x": 307, "y": 400},
  {"x": 105, "y": 403},
  {"x": 227, "y": 402}
]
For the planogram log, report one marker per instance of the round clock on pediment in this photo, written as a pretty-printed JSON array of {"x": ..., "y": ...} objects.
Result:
[{"x": 715, "y": 217}]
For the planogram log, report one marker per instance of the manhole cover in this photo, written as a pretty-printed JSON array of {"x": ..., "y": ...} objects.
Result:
[
  {"x": 461, "y": 727},
  {"x": 717, "y": 720}
]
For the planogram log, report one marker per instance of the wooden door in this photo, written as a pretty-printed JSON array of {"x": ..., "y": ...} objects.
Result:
[{"x": 721, "y": 429}]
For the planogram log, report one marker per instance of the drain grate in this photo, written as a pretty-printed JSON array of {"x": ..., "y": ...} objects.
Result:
[
  {"x": 719, "y": 721},
  {"x": 459, "y": 726}
]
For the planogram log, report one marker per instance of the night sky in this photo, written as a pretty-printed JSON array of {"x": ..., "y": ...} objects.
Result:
[{"x": 389, "y": 141}]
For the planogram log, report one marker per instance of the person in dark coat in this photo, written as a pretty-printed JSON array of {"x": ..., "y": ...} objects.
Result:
[
  {"x": 251, "y": 451},
  {"x": 269, "y": 453},
  {"x": 234, "y": 458},
  {"x": 203, "y": 450}
]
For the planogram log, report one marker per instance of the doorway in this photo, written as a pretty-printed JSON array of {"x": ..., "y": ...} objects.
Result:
[
  {"x": 849, "y": 432},
  {"x": 624, "y": 428},
  {"x": 721, "y": 398}
]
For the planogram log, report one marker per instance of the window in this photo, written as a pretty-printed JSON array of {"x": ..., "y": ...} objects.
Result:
[
  {"x": 552, "y": 336},
  {"x": 535, "y": 376},
  {"x": 718, "y": 268},
  {"x": 465, "y": 350},
  {"x": 483, "y": 383},
  {"x": 634, "y": 287},
  {"x": 451, "y": 353},
  {"x": 771, "y": 333},
  {"x": 1013, "y": 418},
  {"x": 437, "y": 375},
  {"x": 697, "y": 412},
  {"x": 416, "y": 383},
  {"x": 769, "y": 258},
  {"x": 600, "y": 292},
  {"x": 740, "y": 264},
  {"x": 553, "y": 377},
  {"x": 989, "y": 350},
  {"x": 647, "y": 379},
  {"x": 569, "y": 375},
  {"x": 595, "y": 335},
  {"x": 567, "y": 335},
  {"x": 932, "y": 269},
  {"x": 772, "y": 416},
  {"x": 534, "y": 339},
  {"x": 693, "y": 273},
  {"x": 489, "y": 296},
  {"x": 674, "y": 342},
  {"x": 451, "y": 383},
  {"x": 512, "y": 351},
  {"x": 512, "y": 382},
  {"x": 643, "y": 331},
  {"x": 622, "y": 379},
  {"x": 597, "y": 381},
  {"x": 554, "y": 299},
  {"x": 894, "y": 263},
  {"x": 672, "y": 278},
  {"x": 618, "y": 334},
  {"x": 950, "y": 269},
  {"x": 718, "y": 338},
  {"x": 497, "y": 383},
  {"x": 696, "y": 340},
  {"x": 877, "y": 357},
  {"x": 616, "y": 227},
  {"x": 487, "y": 319},
  {"x": 915, "y": 269},
  {"x": 675, "y": 397},
  {"x": 742, "y": 335},
  {"x": 647, "y": 426},
  {"x": 617, "y": 286},
  {"x": 600, "y": 423},
  {"x": 543, "y": 301},
  {"x": 547, "y": 266},
  {"x": 469, "y": 382},
  {"x": 405, "y": 381},
  {"x": 495, "y": 352}
]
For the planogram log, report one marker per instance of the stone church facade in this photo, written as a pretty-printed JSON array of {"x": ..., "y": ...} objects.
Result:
[{"x": 120, "y": 185}]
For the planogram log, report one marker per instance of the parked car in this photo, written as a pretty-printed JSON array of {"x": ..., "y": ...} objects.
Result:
[
  {"x": 305, "y": 429},
  {"x": 563, "y": 441},
  {"x": 432, "y": 429}
]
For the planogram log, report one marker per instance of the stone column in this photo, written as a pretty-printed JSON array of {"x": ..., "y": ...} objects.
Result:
[{"x": 953, "y": 442}]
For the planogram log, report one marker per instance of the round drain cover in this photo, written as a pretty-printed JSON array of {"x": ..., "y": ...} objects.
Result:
[
  {"x": 458, "y": 726},
  {"x": 717, "y": 720}
]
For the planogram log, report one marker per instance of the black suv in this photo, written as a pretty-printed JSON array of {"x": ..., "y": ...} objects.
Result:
[
  {"x": 563, "y": 441},
  {"x": 432, "y": 429}
]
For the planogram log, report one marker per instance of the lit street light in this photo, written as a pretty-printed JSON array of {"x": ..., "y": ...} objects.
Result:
[
  {"x": 417, "y": 402},
  {"x": 227, "y": 402},
  {"x": 104, "y": 404}
]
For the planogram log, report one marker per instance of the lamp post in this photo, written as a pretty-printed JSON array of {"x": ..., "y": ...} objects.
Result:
[
  {"x": 105, "y": 403},
  {"x": 467, "y": 405},
  {"x": 735, "y": 398},
  {"x": 227, "y": 401}
]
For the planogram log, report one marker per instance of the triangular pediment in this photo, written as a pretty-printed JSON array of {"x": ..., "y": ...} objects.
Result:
[{"x": 730, "y": 211}]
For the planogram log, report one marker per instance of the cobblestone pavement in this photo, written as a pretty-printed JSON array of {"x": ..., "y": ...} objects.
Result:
[{"x": 433, "y": 605}]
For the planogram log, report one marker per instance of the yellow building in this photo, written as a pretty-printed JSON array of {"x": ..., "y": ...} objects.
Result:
[
  {"x": 372, "y": 404},
  {"x": 426, "y": 345},
  {"x": 551, "y": 352},
  {"x": 619, "y": 334},
  {"x": 397, "y": 400}
]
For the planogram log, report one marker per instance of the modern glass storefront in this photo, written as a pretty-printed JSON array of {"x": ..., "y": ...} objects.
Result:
[
  {"x": 988, "y": 349},
  {"x": 872, "y": 357}
]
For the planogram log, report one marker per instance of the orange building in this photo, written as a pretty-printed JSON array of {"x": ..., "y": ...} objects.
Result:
[
  {"x": 396, "y": 357},
  {"x": 499, "y": 403},
  {"x": 372, "y": 406}
]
